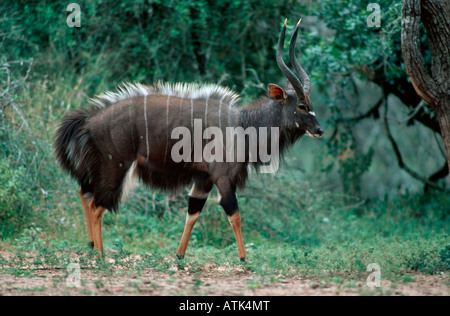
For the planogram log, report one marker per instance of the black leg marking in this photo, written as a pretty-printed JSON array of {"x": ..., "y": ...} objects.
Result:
[
  {"x": 229, "y": 204},
  {"x": 195, "y": 205}
]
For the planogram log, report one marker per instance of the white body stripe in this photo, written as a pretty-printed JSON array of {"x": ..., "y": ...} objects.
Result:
[
  {"x": 192, "y": 114},
  {"x": 130, "y": 181},
  {"x": 167, "y": 124},
  {"x": 206, "y": 112},
  {"x": 146, "y": 127},
  {"x": 198, "y": 194}
]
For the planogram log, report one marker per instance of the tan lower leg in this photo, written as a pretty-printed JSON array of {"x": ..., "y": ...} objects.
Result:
[
  {"x": 85, "y": 199},
  {"x": 190, "y": 222},
  {"x": 96, "y": 221},
  {"x": 235, "y": 221}
]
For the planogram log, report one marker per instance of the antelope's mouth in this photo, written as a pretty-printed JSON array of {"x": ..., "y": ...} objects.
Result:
[{"x": 314, "y": 135}]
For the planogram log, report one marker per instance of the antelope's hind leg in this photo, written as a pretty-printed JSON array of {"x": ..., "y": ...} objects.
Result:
[
  {"x": 196, "y": 200},
  {"x": 96, "y": 215},
  {"x": 86, "y": 198},
  {"x": 230, "y": 205}
]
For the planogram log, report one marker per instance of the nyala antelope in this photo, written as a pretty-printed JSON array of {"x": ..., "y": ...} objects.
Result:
[{"x": 125, "y": 137}]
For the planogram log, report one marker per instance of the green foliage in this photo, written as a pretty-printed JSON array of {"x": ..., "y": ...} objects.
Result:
[
  {"x": 444, "y": 255},
  {"x": 427, "y": 260},
  {"x": 149, "y": 41},
  {"x": 29, "y": 240},
  {"x": 15, "y": 200},
  {"x": 353, "y": 46}
]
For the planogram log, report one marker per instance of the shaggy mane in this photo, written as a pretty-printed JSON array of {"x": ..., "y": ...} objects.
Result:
[{"x": 182, "y": 90}]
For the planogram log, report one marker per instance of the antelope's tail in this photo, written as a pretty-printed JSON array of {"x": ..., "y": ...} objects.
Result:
[{"x": 74, "y": 149}]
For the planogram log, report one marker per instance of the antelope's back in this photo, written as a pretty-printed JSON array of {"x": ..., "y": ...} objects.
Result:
[{"x": 133, "y": 127}]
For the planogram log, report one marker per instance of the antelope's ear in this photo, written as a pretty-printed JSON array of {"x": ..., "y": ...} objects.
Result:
[{"x": 277, "y": 93}]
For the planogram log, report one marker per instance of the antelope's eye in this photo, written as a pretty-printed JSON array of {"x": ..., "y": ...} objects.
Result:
[{"x": 303, "y": 107}]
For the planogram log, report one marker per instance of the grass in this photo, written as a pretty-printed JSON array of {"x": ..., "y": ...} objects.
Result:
[
  {"x": 33, "y": 289},
  {"x": 333, "y": 261},
  {"x": 409, "y": 279}
]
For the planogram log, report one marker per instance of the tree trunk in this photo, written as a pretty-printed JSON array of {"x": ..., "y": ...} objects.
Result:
[
  {"x": 443, "y": 115},
  {"x": 434, "y": 88}
]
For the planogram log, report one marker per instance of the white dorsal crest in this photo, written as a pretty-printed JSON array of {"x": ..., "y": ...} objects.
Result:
[{"x": 182, "y": 90}]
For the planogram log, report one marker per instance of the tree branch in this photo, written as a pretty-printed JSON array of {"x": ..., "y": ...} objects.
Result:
[
  {"x": 401, "y": 163},
  {"x": 372, "y": 112},
  {"x": 424, "y": 85},
  {"x": 441, "y": 173}
]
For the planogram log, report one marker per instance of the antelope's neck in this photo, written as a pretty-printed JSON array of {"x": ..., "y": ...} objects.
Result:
[
  {"x": 264, "y": 113},
  {"x": 260, "y": 114}
]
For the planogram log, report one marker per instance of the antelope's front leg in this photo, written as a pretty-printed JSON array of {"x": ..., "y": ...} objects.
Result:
[
  {"x": 194, "y": 209},
  {"x": 197, "y": 199}
]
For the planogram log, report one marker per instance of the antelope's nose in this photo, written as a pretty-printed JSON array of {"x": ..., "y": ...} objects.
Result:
[{"x": 320, "y": 131}]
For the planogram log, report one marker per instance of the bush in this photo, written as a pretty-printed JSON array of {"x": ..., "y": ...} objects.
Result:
[
  {"x": 445, "y": 257},
  {"x": 15, "y": 199}
]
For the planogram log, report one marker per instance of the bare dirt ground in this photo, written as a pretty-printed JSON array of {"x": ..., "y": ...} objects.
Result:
[{"x": 221, "y": 281}]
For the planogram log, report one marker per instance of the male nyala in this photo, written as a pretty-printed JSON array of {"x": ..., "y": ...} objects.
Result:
[{"x": 126, "y": 136}]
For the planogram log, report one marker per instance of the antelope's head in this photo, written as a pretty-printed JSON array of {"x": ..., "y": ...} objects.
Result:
[{"x": 298, "y": 112}]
